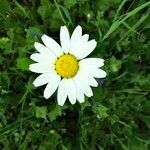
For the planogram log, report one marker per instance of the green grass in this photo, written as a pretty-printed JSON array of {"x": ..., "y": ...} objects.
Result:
[{"x": 116, "y": 117}]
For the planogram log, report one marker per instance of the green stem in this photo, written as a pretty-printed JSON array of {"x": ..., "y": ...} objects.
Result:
[{"x": 60, "y": 13}]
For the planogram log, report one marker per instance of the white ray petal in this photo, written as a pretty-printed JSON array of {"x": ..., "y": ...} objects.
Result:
[
  {"x": 62, "y": 92},
  {"x": 77, "y": 46},
  {"x": 43, "y": 50},
  {"x": 88, "y": 78},
  {"x": 87, "y": 48},
  {"x": 52, "y": 45},
  {"x": 43, "y": 79},
  {"x": 97, "y": 73},
  {"x": 76, "y": 41},
  {"x": 76, "y": 49},
  {"x": 71, "y": 91},
  {"x": 91, "y": 62},
  {"x": 82, "y": 85},
  {"x": 41, "y": 67},
  {"x": 85, "y": 38},
  {"x": 52, "y": 85},
  {"x": 76, "y": 35},
  {"x": 65, "y": 39},
  {"x": 80, "y": 96},
  {"x": 43, "y": 58}
]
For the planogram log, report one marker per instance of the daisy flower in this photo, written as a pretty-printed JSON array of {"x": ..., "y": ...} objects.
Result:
[{"x": 66, "y": 67}]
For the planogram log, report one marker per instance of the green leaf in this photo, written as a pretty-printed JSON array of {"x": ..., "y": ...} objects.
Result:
[
  {"x": 33, "y": 32},
  {"x": 135, "y": 143},
  {"x": 135, "y": 26},
  {"x": 117, "y": 23},
  {"x": 66, "y": 12},
  {"x": 23, "y": 63},
  {"x": 119, "y": 8},
  {"x": 115, "y": 64},
  {"x": 145, "y": 119},
  {"x": 85, "y": 104},
  {"x": 4, "y": 79},
  {"x": 45, "y": 9},
  {"x": 22, "y": 9},
  {"x": 40, "y": 112},
  {"x": 70, "y": 3},
  {"x": 4, "y": 5},
  {"x": 55, "y": 112},
  {"x": 102, "y": 111},
  {"x": 113, "y": 27}
]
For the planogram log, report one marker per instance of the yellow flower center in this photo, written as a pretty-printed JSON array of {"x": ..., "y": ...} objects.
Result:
[{"x": 67, "y": 66}]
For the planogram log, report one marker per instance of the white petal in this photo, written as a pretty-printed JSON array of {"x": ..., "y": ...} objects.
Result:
[
  {"x": 82, "y": 85},
  {"x": 88, "y": 78},
  {"x": 85, "y": 38},
  {"x": 43, "y": 50},
  {"x": 76, "y": 41},
  {"x": 45, "y": 58},
  {"x": 62, "y": 92},
  {"x": 80, "y": 96},
  {"x": 78, "y": 48},
  {"x": 65, "y": 39},
  {"x": 42, "y": 79},
  {"x": 87, "y": 48},
  {"x": 41, "y": 67},
  {"x": 91, "y": 62},
  {"x": 52, "y": 45},
  {"x": 52, "y": 85},
  {"x": 97, "y": 73},
  {"x": 71, "y": 91},
  {"x": 76, "y": 35}
]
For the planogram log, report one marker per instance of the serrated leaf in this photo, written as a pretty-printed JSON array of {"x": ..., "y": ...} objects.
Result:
[
  {"x": 115, "y": 64},
  {"x": 40, "y": 112},
  {"x": 102, "y": 111}
]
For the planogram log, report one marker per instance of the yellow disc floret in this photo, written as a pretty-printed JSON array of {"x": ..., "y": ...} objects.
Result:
[{"x": 67, "y": 66}]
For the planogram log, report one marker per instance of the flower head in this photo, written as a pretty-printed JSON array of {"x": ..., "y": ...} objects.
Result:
[{"x": 63, "y": 67}]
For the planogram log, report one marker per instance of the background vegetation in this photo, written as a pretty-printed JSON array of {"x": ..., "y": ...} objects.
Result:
[{"x": 116, "y": 117}]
